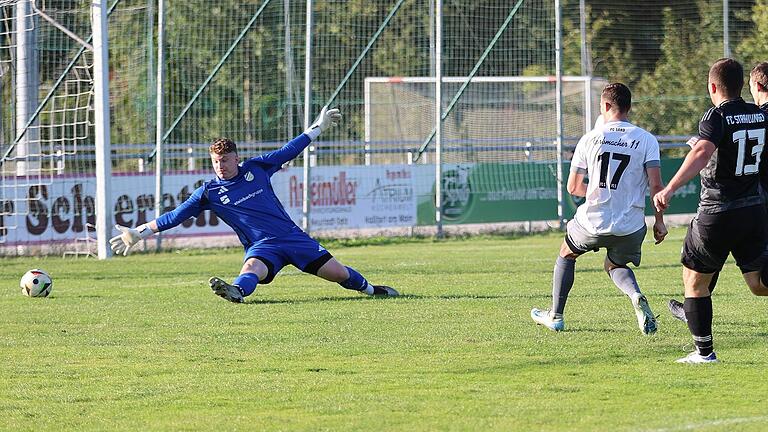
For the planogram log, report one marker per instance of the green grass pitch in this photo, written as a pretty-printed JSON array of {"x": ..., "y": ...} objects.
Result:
[{"x": 140, "y": 343}]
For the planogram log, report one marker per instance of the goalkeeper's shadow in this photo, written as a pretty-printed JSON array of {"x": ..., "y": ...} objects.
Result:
[
  {"x": 377, "y": 298},
  {"x": 310, "y": 300}
]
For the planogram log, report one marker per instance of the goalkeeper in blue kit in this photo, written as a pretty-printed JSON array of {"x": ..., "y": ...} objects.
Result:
[{"x": 241, "y": 195}]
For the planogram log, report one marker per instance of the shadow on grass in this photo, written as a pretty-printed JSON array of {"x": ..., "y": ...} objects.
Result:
[
  {"x": 584, "y": 268},
  {"x": 311, "y": 300},
  {"x": 402, "y": 296}
]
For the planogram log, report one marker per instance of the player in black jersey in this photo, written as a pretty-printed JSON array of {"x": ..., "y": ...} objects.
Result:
[
  {"x": 731, "y": 218},
  {"x": 758, "y": 87}
]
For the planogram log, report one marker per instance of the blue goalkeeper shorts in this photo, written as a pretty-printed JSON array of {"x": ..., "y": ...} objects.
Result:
[{"x": 297, "y": 248}]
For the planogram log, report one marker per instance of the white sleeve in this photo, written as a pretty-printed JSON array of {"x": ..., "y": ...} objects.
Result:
[
  {"x": 652, "y": 152},
  {"x": 579, "y": 159},
  {"x": 599, "y": 122}
]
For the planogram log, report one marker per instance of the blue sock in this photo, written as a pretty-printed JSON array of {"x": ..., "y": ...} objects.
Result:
[
  {"x": 247, "y": 283},
  {"x": 355, "y": 282}
]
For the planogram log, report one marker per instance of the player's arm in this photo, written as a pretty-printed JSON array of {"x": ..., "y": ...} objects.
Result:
[
  {"x": 576, "y": 185},
  {"x": 293, "y": 148},
  {"x": 655, "y": 185},
  {"x": 128, "y": 237},
  {"x": 696, "y": 160},
  {"x": 703, "y": 145}
]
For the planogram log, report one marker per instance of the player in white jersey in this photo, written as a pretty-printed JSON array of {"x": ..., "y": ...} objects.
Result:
[
  {"x": 599, "y": 122},
  {"x": 621, "y": 161}
]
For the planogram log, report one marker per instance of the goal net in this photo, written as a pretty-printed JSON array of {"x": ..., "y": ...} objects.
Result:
[
  {"x": 47, "y": 90},
  {"x": 497, "y": 119}
]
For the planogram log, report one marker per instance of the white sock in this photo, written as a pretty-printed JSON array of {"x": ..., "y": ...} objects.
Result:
[{"x": 368, "y": 290}]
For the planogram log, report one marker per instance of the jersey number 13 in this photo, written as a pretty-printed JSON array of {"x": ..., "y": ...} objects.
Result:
[{"x": 755, "y": 138}]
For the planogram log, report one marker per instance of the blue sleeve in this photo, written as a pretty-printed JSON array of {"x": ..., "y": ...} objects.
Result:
[
  {"x": 189, "y": 208},
  {"x": 275, "y": 159}
]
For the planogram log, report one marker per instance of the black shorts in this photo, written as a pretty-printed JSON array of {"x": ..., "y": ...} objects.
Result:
[{"x": 742, "y": 232}]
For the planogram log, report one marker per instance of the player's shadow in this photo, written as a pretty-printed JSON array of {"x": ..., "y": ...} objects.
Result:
[
  {"x": 312, "y": 300},
  {"x": 593, "y": 330},
  {"x": 383, "y": 298},
  {"x": 644, "y": 267},
  {"x": 456, "y": 296}
]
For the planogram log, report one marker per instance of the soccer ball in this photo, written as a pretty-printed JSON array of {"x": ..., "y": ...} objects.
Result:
[{"x": 36, "y": 283}]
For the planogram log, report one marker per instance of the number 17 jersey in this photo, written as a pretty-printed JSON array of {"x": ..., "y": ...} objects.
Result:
[
  {"x": 614, "y": 157},
  {"x": 731, "y": 178}
]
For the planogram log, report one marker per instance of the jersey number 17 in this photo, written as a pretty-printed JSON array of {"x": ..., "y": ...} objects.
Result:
[{"x": 605, "y": 162}]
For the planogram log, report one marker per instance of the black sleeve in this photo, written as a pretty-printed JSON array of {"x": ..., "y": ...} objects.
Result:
[{"x": 711, "y": 127}]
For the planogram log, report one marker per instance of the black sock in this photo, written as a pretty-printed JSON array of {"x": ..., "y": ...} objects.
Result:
[
  {"x": 698, "y": 311},
  {"x": 562, "y": 281}
]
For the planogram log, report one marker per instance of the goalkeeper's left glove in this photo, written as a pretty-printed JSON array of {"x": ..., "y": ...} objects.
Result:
[
  {"x": 326, "y": 119},
  {"x": 122, "y": 243}
]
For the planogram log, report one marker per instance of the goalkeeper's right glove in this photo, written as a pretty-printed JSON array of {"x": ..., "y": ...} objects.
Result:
[
  {"x": 122, "y": 243},
  {"x": 326, "y": 119}
]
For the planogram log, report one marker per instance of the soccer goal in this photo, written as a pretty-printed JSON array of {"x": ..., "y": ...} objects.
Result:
[
  {"x": 501, "y": 118},
  {"x": 52, "y": 124}
]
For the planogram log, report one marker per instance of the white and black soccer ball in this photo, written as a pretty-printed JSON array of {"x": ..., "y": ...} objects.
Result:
[{"x": 36, "y": 283}]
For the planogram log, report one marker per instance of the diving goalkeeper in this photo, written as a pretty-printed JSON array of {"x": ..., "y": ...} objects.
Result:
[{"x": 241, "y": 195}]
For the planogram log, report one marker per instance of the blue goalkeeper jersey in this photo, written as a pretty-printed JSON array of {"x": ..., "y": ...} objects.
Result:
[{"x": 246, "y": 202}]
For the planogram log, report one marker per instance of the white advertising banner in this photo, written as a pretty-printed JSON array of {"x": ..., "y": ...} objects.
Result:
[
  {"x": 62, "y": 209},
  {"x": 351, "y": 197}
]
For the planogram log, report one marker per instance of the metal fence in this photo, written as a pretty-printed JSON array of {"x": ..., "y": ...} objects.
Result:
[{"x": 182, "y": 74}]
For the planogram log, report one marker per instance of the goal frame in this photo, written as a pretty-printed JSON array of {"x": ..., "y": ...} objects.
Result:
[{"x": 368, "y": 81}]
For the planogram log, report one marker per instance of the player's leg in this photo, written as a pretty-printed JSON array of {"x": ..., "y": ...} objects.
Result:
[
  {"x": 750, "y": 255},
  {"x": 676, "y": 308},
  {"x": 309, "y": 256},
  {"x": 705, "y": 249},
  {"x": 622, "y": 251},
  {"x": 757, "y": 281},
  {"x": 254, "y": 269},
  {"x": 260, "y": 265},
  {"x": 698, "y": 313},
  {"x": 351, "y": 279},
  {"x": 577, "y": 242}
]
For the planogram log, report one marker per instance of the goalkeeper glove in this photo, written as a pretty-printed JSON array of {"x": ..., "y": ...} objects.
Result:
[
  {"x": 122, "y": 243},
  {"x": 326, "y": 119}
]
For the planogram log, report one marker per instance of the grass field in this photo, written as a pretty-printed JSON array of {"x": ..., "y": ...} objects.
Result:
[{"x": 140, "y": 343}]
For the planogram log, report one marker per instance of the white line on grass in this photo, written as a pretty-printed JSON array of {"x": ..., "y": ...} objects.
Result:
[{"x": 696, "y": 426}]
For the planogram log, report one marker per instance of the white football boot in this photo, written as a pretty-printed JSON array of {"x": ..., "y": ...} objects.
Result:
[
  {"x": 646, "y": 320},
  {"x": 696, "y": 358},
  {"x": 548, "y": 319}
]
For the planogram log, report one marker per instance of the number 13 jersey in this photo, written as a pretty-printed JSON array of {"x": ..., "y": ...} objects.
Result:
[
  {"x": 731, "y": 179},
  {"x": 614, "y": 157}
]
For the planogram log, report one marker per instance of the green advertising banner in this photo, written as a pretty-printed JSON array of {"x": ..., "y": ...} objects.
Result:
[{"x": 521, "y": 191}]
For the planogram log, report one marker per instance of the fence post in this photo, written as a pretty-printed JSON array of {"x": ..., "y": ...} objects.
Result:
[
  {"x": 305, "y": 206},
  {"x": 559, "y": 110},
  {"x": 159, "y": 113},
  {"x": 439, "y": 117},
  {"x": 726, "y": 31},
  {"x": 288, "y": 56}
]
